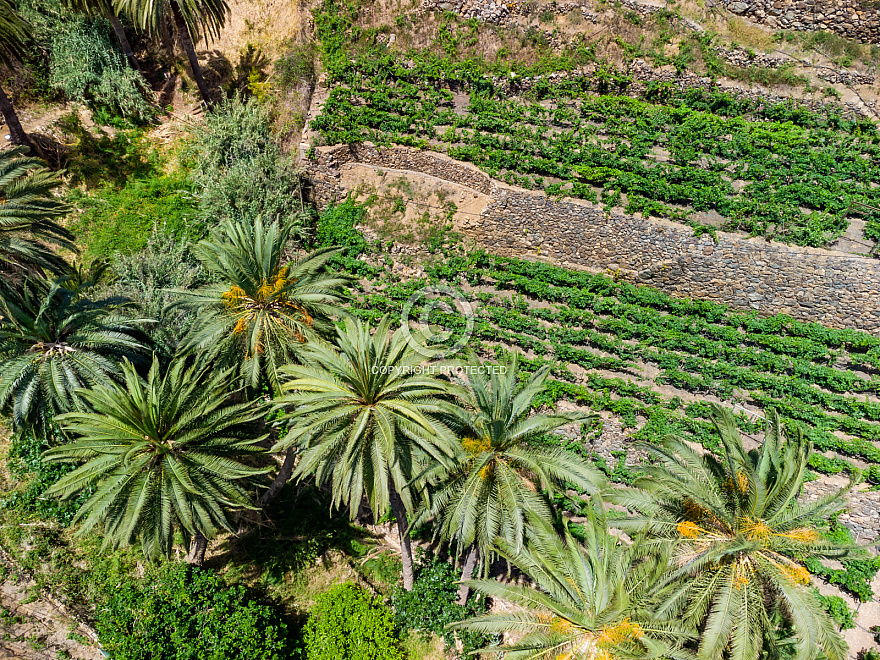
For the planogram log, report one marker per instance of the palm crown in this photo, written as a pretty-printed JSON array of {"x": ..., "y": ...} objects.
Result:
[
  {"x": 162, "y": 455},
  {"x": 26, "y": 208},
  {"x": 498, "y": 471},
  {"x": 741, "y": 533},
  {"x": 589, "y": 600},
  {"x": 53, "y": 341},
  {"x": 258, "y": 317},
  {"x": 366, "y": 418}
]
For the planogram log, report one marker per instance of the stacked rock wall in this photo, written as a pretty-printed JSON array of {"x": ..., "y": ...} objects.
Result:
[{"x": 837, "y": 289}]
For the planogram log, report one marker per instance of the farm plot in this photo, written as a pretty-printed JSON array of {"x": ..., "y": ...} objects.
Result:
[
  {"x": 652, "y": 360},
  {"x": 698, "y": 157}
]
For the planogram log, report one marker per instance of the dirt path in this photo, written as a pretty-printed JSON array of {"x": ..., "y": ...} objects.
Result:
[{"x": 33, "y": 628}]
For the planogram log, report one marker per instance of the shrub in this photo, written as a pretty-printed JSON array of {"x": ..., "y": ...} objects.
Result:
[
  {"x": 431, "y": 605},
  {"x": 239, "y": 171},
  {"x": 87, "y": 66},
  {"x": 25, "y": 464},
  {"x": 838, "y": 610},
  {"x": 186, "y": 613},
  {"x": 294, "y": 66},
  {"x": 146, "y": 277},
  {"x": 348, "y": 623},
  {"x": 337, "y": 226}
]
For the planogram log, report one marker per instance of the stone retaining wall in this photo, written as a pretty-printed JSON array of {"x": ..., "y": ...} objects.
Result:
[
  {"x": 329, "y": 159},
  {"x": 851, "y": 18},
  {"x": 835, "y": 288}
]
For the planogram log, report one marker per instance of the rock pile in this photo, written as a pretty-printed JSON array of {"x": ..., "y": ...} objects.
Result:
[{"x": 850, "y": 18}]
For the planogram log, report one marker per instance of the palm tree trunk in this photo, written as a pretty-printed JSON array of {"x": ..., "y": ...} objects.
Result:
[
  {"x": 197, "y": 550},
  {"x": 280, "y": 479},
  {"x": 186, "y": 41},
  {"x": 406, "y": 557},
  {"x": 123, "y": 40},
  {"x": 467, "y": 572},
  {"x": 16, "y": 132}
]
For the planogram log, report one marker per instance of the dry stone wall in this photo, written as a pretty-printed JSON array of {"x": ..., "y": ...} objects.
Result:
[
  {"x": 851, "y": 18},
  {"x": 835, "y": 288}
]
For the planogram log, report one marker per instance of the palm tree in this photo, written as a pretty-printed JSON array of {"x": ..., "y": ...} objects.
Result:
[
  {"x": 54, "y": 341},
  {"x": 263, "y": 310},
  {"x": 588, "y": 601},
  {"x": 365, "y": 418},
  {"x": 499, "y": 472},
  {"x": 26, "y": 208},
  {"x": 191, "y": 19},
  {"x": 106, "y": 9},
  {"x": 14, "y": 35},
  {"x": 741, "y": 535},
  {"x": 161, "y": 455}
]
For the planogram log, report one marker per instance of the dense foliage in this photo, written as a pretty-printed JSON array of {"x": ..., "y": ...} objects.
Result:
[
  {"x": 185, "y": 613},
  {"x": 780, "y": 171},
  {"x": 239, "y": 171},
  {"x": 431, "y": 605},
  {"x": 349, "y": 623}
]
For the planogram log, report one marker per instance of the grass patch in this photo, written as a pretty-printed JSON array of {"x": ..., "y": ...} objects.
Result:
[{"x": 120, "y": 219}]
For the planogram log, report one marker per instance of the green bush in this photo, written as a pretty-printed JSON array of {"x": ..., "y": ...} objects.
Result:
[
  {"x": 186, "y": 613},
  {"x": 348, "y": 623},
  {"x": 431, "y": 605},
  {"x": 25, "y": 464},
  {"x": 337, "y": 226},
  {"x": 145, "y": 277},
  {"x": 88, "y": 67},
  {"x": 239, "y": 171}
]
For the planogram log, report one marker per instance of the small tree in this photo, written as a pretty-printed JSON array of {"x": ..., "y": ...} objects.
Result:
[{"x": 106, "y": 9}]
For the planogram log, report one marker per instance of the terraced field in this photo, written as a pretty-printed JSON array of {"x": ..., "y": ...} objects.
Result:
[
  {"x": 694, "y": 156},
  {"x": 653, "y": 360}
]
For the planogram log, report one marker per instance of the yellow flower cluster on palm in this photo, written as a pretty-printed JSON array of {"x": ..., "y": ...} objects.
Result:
[
  {"x": 476, "y": 446},
  {"x": 268, "y": 294}
]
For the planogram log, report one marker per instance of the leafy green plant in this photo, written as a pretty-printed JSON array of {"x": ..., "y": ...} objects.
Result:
[
  {"x": 838, "y": 610},
  {"x": 36, "y": 477},
  {"x": 348, "y": 623},
  {"x": 114, "y": 220},
  {"x": 185, "y": 613},
  {"x": 88, "y": 67},
  {"x": 239, "y": 172},
  {"x": 146, "y": 278},
  {"x": 431, "y": 605}
]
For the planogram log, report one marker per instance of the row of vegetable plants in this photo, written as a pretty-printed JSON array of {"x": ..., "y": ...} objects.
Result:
[
  {"x": 818, "y": 378},
  {"x": 770, "y": 176}
]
